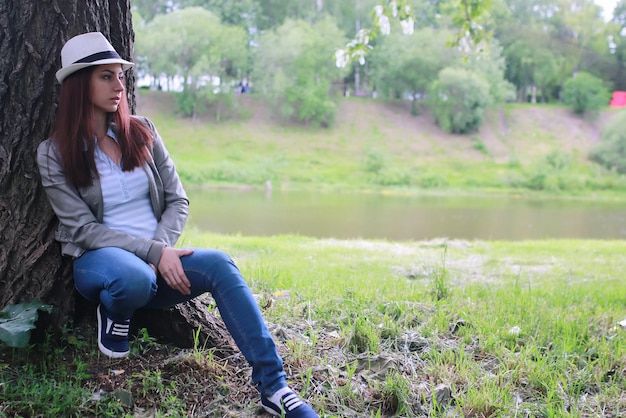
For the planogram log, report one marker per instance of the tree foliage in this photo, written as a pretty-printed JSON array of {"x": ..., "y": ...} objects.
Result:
[
  {"x": 585, "y": 93},
  {"x": 293, "y": 67},
  {"x": 489, "y": 64},
  {"x": 458, "y": 100},
  {"x": 408, "y": 65},
  {"x": 194, "y": 44},
  {"x": 611, "y": 151},
  {"x": 242, "y": 13},
  {"x": 529, "y": 48},
  {"x": 466, "y": 16},
  {"x": 546, "y": 41}
]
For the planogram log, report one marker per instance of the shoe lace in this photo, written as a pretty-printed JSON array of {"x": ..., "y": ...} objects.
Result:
[
  {"x": 290, "y": 401},
  {"x": 119, "y": 329}
]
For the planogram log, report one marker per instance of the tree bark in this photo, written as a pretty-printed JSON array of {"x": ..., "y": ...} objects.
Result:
[
  {"x": 32, "y": 33},
  {"x": 187, "y": 325}
]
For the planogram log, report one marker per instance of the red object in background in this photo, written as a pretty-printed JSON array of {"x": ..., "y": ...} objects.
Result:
[{"x": 619, "y": 99}]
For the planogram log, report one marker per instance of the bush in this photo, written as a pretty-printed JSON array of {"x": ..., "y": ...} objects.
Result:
[
  {"x": 203, "y": 100},
  {"x": 186, "y": 103},
  {"x": 375, "y": 160},
  {"x": 458, "y": 100},
  {"x": 611, "y": 151},
  {"x": 309, "y": 103},
  {"x": 392, "y": 177},
  {"x": 431, "y": 180},
  {"x": 585, "y": 93}
]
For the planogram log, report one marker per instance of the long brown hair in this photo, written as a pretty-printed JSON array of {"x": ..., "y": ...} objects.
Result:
[{"x": 74, "y": 133}]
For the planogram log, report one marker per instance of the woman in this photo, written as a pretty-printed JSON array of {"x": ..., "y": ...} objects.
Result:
[{"x": 121, "y": 207}]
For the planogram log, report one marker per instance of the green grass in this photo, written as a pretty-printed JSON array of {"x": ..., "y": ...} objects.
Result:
[
  {"x": 371, "y": 328},
  {"x": 509, "y": 326}
]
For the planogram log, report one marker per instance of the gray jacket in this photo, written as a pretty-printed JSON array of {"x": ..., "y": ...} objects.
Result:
[{"x": 80, "y": 211}]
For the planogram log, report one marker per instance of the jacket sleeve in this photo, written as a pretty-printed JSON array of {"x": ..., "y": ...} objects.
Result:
[
  {"x": 174, "y": 201},
  {"x": 78, "y": 224}
]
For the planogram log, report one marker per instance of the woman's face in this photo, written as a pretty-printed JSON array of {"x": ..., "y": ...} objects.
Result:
[{"x": 107, "y": 87}]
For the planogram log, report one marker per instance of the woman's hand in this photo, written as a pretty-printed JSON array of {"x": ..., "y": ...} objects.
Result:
[{"x": 171, "y": 269}]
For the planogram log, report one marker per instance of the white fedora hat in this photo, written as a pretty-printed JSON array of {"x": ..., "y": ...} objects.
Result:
[{"x": 87, "y": 50}]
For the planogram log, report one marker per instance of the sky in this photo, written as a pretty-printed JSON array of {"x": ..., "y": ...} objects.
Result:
[{"x": 608, "y": 6}]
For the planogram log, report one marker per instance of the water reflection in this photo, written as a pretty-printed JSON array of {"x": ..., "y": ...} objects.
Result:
[{"x": 348, "y": 215}]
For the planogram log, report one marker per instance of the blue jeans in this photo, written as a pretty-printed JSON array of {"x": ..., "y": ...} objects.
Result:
[{"x": 123, "y": 283}]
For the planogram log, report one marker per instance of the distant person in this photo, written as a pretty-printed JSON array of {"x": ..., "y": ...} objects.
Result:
[{"x": 121, "y": 209}]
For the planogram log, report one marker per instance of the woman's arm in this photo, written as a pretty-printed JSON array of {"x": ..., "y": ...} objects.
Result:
[{"x": 175, "y": 204}]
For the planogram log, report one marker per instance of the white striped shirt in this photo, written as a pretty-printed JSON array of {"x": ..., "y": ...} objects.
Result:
[{"x": 126, "y": 197}]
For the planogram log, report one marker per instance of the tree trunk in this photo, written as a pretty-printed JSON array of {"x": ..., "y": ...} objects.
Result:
[{"x": 32, "y": 33}]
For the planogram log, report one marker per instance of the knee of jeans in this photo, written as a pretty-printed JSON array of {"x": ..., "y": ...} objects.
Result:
[
  {"x": 224, "y": 265},
  {"x": 136, "y": 289},
  {"x": 222, "y": 257}
]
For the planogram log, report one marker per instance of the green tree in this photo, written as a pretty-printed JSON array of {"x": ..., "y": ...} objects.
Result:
[
  {"x": 546, "y": 41},
  {"x": 458, "y": 100},
  {"x": 149, "y": 9},
  {"x": 193, "y": 44},
  {"x": 466, "y": 15},
  {"x": 403, "y": 65},
  {"x": 491, "y": 65},
  {"x": 275, "y": 13},
  {"x": 616, "y": 37},
  {"x": 585, "y": 93},
  {"x": 294, "y": 70},
  {"x": 611, "y": 150},
  {"x": 241, "y": 13},
  {"x": 533, "y": 66},
  {"x": 580, "y": 33}
]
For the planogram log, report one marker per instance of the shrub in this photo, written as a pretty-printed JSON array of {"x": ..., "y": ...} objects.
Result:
[
  {"x": 611, "y": 151},
  {"x": 392, "y": 177},
  {"x": 185, "y": 103},
  {"x": 375, "y": 160},
  {"x": 458, "y": 100},
  {"x": 203, "y": 100},
  {"x": 585, "y": 93},
  {"x": 558, "y": 159},
  {"x": 431, "y": 180},
  {"x": 309, "y": 103}
]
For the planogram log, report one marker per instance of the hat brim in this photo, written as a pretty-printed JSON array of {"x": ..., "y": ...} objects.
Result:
[{"x": 72, "y": 68}]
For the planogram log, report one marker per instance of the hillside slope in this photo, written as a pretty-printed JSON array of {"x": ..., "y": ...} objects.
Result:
[{"x": 513, "y": 131}]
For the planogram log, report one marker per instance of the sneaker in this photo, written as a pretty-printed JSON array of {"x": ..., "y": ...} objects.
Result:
[
  {"x": 290, "y": 406},
  {"x": 112, "y": 336}
]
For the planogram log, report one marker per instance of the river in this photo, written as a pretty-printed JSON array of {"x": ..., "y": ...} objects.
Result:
[{"x": 400, "y": 217}]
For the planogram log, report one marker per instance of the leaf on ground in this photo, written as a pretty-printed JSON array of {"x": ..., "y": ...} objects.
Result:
[{"x": 16, "y": 321}]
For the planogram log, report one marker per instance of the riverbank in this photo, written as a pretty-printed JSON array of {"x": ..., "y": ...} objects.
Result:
[{"x": 380, "y": 147}]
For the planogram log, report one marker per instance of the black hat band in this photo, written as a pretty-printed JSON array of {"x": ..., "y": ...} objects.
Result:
[{"x": 99, "y": 56}]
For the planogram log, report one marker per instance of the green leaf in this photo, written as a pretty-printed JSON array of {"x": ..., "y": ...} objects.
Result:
[{"x": 16, "y": 321}]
